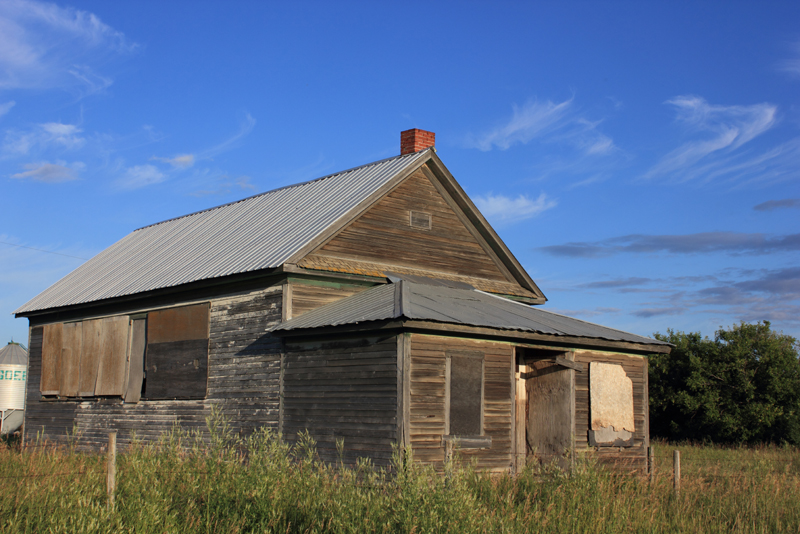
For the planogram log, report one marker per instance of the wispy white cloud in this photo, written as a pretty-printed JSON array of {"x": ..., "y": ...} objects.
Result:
[
  {"x": 549, "y": 121},
  {"x": 50, "y": 172},
  {"x": 140, "y": 176},
  {"x": 43, "y": 136},
  {"x": 791, "y": 65},
  {"x": 526, "y": 123},
  {"x": 745, "y": 121},
  {"x": 586, "y": 135},
  {"x": 592, "y": 179},
  {"x": 601, "y": 145},
  {"x": 502, "y": 210},
  {"x": 725, "y": 129},
  {"x": 245, "y": 128},
  {"x": 65, "y": 135},
  {"x": 92, "y": 81},
  {"x": 182, "y": 161},
  {"x": 45, "y": 46},
  {"x": 204, "y": 180},
  {"x": 18, "y": 143},
  {"x": 223, "y": 185},
  {"x": 5, "y": 108},
  {"x": 744, "y": 168}
]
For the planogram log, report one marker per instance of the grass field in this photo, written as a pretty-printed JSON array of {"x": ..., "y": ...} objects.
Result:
[{"x": 184, "y": 485}]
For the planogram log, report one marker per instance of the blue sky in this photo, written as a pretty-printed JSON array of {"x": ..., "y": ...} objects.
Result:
[{"x": 641, "y": 159}]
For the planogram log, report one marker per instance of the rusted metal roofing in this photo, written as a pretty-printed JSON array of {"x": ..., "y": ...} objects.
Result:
[
  {"x": 259, "y": 232},
  {"x": 407, "y": 300}
]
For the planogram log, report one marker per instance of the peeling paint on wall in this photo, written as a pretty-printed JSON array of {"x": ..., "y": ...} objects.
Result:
[{"x": 611, "y": 401}]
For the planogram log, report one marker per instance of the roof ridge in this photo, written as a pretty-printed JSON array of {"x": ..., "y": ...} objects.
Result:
[{"x": 282, "y": 188}]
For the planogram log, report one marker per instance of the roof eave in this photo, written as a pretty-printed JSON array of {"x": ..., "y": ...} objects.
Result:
[
  {"x": 159, "y": 292},
  {"x": 520, "y": 336}
]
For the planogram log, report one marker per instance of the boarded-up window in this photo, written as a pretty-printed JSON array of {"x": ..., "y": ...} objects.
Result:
[
  {"x": 611, "y": 403},
  {"x": 51, "y": 359},
  {"x": 112, "y": 357},
  {"x": 90, "y": 357},
  {"x": 177, "y": 353},
  {"x": 85, "y": 359},
  {"x": 136, "y": 360},
  {"x": 72, "y": 345},
  {"x": 465, "y": 385}
]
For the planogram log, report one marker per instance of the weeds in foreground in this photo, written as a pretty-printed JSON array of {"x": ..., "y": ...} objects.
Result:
[{"x": 219, "y": 482}]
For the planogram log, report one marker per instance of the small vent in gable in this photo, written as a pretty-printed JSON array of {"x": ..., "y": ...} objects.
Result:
[{"x": 420, "y": 219}]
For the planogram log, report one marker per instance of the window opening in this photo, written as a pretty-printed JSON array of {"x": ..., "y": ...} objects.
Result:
[{"x": 465, "y": 389}]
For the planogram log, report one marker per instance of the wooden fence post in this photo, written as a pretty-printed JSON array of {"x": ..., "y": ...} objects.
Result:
[
  {"x": 676, "y": 472},
  {"x": 651, "y": 465},
  {"x": 112, "y": 466}
]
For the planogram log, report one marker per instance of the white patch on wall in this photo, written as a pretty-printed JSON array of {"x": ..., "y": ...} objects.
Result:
[{"x": 611, "y": 402}]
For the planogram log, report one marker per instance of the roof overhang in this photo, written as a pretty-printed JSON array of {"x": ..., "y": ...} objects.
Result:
[
  {"x": 560, "y": 342},
  {"x": 175, "y": 293}
]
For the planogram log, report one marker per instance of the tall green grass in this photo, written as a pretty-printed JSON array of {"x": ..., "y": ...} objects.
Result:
[{"x": 189, "y": 484}]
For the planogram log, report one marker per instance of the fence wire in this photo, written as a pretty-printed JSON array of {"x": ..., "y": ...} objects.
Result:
[{"x": 662, "y": 463}]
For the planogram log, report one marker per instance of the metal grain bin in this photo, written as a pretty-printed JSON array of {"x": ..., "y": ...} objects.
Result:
[{"x": 13, "y": 377}]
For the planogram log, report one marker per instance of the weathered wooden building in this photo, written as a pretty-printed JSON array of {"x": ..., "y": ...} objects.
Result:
[{"x": 375, "y": 305}]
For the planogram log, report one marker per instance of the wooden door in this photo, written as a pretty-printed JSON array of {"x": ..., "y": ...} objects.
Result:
[{"x": 546, "y": 393}]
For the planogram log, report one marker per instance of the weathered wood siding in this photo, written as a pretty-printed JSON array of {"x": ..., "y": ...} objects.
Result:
[
  {"x": 243, "y": 378},
  {"x": 244, "y": 360},
  {"x": 619, "y": 457},
  {"x": 343, "y": 389},
  {"x": 310, "y": 296},
  {"x": 383, "y": 234},
  {"x": 428, "y": 400}
]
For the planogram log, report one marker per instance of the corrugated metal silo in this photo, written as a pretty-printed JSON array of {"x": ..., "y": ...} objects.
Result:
[{"x": 13, "y": 377}]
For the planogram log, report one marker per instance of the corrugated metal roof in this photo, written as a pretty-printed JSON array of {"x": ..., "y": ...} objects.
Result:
[
  {"x": 259, "y": 232},
  {"x": 455, "y": 306},
  {"x": 13, "y": 354}
]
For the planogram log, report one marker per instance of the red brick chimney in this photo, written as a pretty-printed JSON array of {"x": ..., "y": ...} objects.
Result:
[{"x": 414, "y": 140}]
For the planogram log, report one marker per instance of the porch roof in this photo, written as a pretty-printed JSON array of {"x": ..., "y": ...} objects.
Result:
[{"x": 437, "y": 302}]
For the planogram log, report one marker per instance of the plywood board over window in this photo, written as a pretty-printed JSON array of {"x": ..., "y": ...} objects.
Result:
[
  {"x": 85, "y": 358},
  {"x": 71, "y": 348},
  {"x": 136, "y": 360},
  {"x": 111, "y": 377},
  {"x": 611, "y": 402},
  {"x": 51, "y": 359},
  {"x": 177, "y": 353},
  {"x": 90, "y": 356},
  {"x": 178, "y": 324}
]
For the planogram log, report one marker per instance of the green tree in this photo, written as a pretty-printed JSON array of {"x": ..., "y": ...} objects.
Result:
[{"x": 741, "y": 387}]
